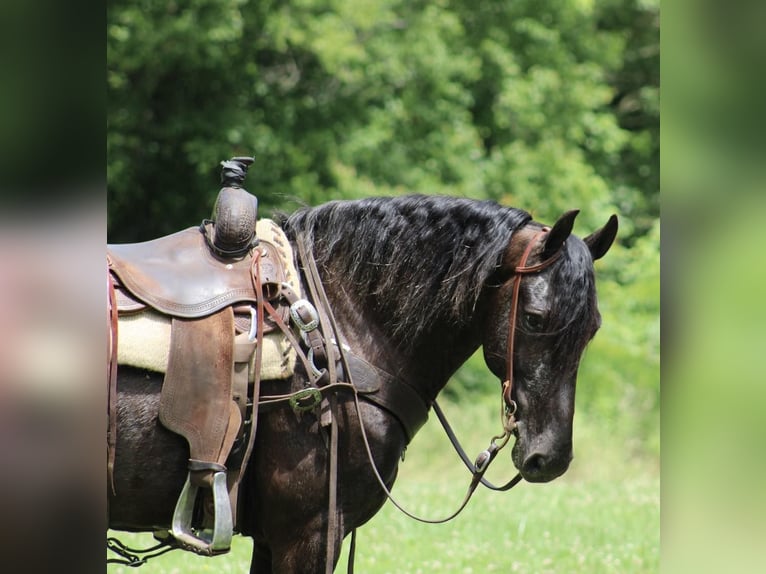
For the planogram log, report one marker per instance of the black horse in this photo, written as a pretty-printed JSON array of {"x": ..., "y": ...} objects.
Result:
[{"x": 417, "y": 284}]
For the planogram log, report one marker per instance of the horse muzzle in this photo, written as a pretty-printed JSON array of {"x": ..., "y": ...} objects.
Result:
[{"x": 540, "y": 460}]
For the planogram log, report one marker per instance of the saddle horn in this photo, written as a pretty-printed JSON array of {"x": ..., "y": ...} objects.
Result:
[{"x": 235, "y": 212}]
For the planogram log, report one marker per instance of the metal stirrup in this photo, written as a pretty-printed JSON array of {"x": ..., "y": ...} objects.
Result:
[{"x": 206, "y": 543}]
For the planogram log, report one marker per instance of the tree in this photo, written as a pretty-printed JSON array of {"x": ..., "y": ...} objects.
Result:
[{"x": 523, "y": 102}]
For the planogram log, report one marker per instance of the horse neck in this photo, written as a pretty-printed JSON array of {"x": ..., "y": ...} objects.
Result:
[
  {"x": 402, "y": 275},
  {"x": 427, "y": 362}
]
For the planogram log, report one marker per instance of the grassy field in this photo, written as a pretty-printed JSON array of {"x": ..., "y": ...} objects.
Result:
[{"x": 602, "y": 516}]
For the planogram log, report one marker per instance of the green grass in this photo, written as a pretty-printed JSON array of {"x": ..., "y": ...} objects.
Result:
[
  {"x": 586, "y": 527},
  {"x": 602, "y": 516}
]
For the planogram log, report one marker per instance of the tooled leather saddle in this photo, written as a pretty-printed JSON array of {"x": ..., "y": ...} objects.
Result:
[{"x": 208, "y": 280}]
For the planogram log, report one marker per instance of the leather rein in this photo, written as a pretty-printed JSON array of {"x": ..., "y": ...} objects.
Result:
[{"x": 508, "y": 409}]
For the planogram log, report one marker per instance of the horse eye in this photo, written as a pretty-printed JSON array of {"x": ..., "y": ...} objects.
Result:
[{"x": 532, "y": 321}]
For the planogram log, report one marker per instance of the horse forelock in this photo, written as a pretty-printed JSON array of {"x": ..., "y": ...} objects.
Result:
[{"x": 412, "y": 259}]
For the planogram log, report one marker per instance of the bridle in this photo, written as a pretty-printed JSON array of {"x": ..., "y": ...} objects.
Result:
[
  {"x": 483, "y": 460},
  {"x": 508, "y": 405},
  {"x": 519, "y": 272}
]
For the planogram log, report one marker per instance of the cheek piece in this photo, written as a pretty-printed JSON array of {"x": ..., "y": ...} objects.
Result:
[{"x": 509, "y": 422}]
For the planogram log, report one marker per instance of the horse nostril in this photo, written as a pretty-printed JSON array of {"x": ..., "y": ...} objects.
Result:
[
  {"x": 533, "y": 467},
  {"x": 541, "y": 467}
]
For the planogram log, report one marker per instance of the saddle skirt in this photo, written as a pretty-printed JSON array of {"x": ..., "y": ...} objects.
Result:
[{"x": 178, "y": 274}]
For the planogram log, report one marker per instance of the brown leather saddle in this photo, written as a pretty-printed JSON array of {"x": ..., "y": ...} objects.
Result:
[
  {"x": 180, "y": 276},
  {"x": 208, "y": 392}
]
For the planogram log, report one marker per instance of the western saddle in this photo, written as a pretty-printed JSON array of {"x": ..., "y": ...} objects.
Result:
[
  {"x": 225, "y": 286},
  {"x": 212, "y": 281}
]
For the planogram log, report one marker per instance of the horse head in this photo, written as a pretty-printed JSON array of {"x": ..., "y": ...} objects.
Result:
[{"x": 536, "y": 338}]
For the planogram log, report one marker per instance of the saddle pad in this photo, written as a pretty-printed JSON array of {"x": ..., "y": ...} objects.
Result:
[{"x": 144, "y": 342}]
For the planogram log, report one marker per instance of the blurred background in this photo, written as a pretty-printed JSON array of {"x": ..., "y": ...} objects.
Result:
[
  {"x": 542, "y": 105},
  {"x": 547, "y": 106}
]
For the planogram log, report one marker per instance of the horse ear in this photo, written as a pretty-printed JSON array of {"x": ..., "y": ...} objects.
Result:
[
  {"x": 559, "y": 233},
  {"x": 600, "y": 241}
]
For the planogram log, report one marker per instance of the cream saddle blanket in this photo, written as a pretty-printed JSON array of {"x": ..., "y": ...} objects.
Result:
[{"x": 144, "y": 337}]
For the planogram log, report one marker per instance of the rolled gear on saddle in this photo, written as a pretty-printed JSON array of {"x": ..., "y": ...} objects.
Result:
[{"x": 235, "y": 212}]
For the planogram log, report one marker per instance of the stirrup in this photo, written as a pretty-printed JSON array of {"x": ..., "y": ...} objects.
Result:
[{"x": 205, "y": 542}]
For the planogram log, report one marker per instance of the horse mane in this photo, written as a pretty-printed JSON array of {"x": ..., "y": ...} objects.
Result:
[{"x": 411, "y": 259}]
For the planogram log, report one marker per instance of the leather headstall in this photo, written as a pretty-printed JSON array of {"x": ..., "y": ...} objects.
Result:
[{"x": 519, "y": 272}]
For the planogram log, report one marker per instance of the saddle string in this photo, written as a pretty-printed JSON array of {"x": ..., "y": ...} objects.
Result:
[
  {"x": 255, "y": 276},
  {"x": 111, "y": 441}
]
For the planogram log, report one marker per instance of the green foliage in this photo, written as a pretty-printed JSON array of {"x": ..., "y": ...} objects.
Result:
[
  {"x": 547, "y": 106},
  {"x": 620, "y": 372},
  {"x": 520, "y": 102}
]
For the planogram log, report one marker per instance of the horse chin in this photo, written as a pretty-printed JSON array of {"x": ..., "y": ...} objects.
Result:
[{"x": 537, "y": 477}]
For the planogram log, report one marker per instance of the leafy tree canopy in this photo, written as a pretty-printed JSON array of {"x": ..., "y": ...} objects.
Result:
[{"x": 543, "y": 105}]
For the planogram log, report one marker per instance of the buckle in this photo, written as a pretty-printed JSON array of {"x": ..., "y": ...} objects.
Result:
[
  {"x": 314, "y": 369},
  {"x": 305, "y": 399},
  {"x": 204, "y": 542},
  {"x": 300, "y": 309},
  {"x": 252, "y": 335}
]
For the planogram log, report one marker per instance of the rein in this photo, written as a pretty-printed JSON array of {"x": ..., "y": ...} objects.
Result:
[{"x": 485, "y": 458}]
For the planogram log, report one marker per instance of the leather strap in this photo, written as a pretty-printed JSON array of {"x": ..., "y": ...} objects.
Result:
[
  {"x": 111, "y": 435},
  {"x": 315, "y": 340},
  {"x": 256, "y": 387},
  {"x": 314, "y": 283},
  {"x": 193, "y": 377},
  {"x": 394, "y": 395},
  {"x": 521, "y": 270},
  {"x": 332, "y": 504}
]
